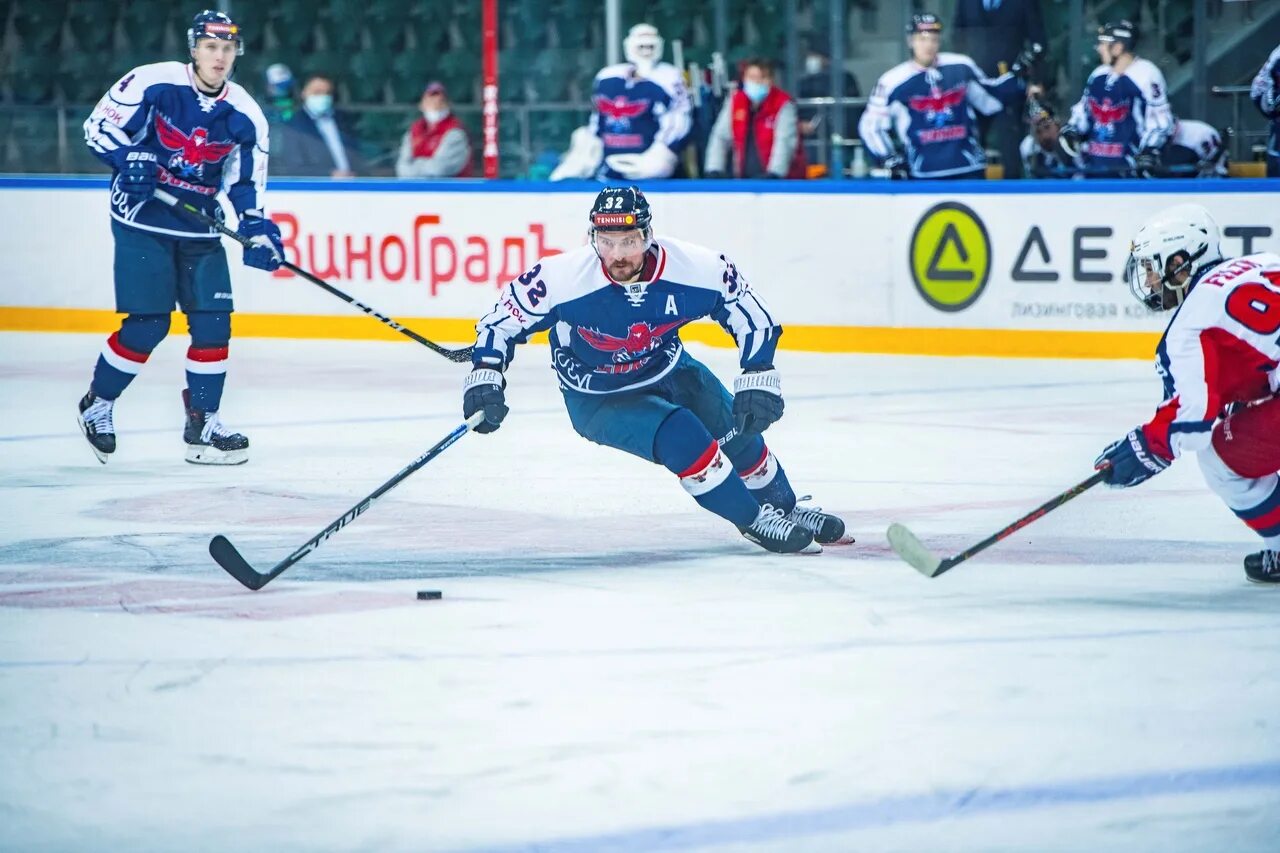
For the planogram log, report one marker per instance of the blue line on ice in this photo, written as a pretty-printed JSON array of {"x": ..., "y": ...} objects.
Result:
[{"x": 913, "y": 809}]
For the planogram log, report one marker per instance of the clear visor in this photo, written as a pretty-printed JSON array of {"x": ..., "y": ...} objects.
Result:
[{"x": 619, "y": 244}]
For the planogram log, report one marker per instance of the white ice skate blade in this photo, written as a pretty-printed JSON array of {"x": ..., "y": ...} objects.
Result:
[
  {"x": 912, "y": 550},
  {"x": 203, "y": 454},
  {"x": 84, "y": 428}
]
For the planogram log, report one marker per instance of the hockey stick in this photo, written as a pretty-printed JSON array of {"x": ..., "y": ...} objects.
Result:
[
  {"x": 458, "y": 355},
  {"x": 911, "y": 549},
  {"x": 226, "y": 555}
]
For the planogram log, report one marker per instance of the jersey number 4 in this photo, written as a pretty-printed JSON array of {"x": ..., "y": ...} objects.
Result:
[{"x": 1256, "y": 306}]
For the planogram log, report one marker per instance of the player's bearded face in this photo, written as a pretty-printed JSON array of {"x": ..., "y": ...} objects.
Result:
[{"x": 622, "y": 252}]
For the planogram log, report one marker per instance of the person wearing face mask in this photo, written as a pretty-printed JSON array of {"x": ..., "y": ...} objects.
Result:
[
  {"x": 315, "y": 141},
  {"x": 816, "y": 83},
  {"x": 436, "y": 145},
  {"x": 759, "y": 125}
]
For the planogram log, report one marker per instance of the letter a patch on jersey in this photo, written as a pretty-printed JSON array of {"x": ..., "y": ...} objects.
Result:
[{"x": 671, "y": 305}]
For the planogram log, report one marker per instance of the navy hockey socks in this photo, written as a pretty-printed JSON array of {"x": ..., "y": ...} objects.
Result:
[
  {"x": 685, "y": 447},
  {"x": 763, "y": 475},
  {"x": 126, "y": 351},
  {"x": 207, "y": 358}
]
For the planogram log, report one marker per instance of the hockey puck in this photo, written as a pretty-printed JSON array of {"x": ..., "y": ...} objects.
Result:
[{"x": 429, "y": 594}]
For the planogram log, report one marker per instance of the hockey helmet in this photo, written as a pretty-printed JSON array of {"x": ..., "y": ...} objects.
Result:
[
  {"x": 211, "y": 24},
  {"x": 621, "y": 209},
  {"x": 1181, "y": 239},
  {"x": 643, "y": 46},
  {"x": 1123, "y": 31},
  {"x": 924, "y": 22}
]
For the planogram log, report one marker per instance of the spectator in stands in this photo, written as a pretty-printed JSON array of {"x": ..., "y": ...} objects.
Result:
[
  {"x": 1265, "y": 93},
  {"x": 315, "y": 141},
  {"x": 758, "y": 126},
  {"x": 279, "y": 105},
  {"x": 920, "y": 121},
  {"x": 436, "y": 145},
  {"x": 816, "y": 83},
  {"x": 994, "y": 33}
]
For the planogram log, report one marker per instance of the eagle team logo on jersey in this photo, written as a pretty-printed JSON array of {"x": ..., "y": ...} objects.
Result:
[
  {"x": 192, "y": 151},
  {"x": 938, "y": 104},
  {"x": 620, "y": 110},
  {"x": 1107, "y": 115},
  {"x": 641, "y": 338}
]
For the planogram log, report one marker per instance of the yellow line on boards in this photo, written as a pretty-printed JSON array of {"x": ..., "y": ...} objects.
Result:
[{"x": 999, "y": 343}]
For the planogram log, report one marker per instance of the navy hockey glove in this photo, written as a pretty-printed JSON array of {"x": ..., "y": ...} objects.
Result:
[
  {"x": 482, "y": 390},
  {"x": 757, "y": 401},
  {"x": 1130, "y": 461},
  {"x": 138, "y": 175},
  {"x": 267, "y": 250}
]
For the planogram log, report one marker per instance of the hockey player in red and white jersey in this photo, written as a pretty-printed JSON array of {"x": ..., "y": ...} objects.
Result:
[{"x": 1218, "y": 359}]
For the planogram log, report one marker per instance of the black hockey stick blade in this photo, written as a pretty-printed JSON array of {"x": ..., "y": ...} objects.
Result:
[
  {"x": 909, "y": 547},
  {"x": 226, "y": 555}
]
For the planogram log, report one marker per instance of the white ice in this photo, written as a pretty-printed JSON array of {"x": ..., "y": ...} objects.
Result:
[{"x": 611, "y": 668}]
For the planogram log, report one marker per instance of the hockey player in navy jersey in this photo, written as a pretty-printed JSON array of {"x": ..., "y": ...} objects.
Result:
[
  {"x": 614, "y": 309},
  {"x": 642, "y": 119},
  {"x": 920, "y": 120},
  {"x": 185, "y": 128},
  {"x": 1123, "y": 119},
  {"x": 1265, "y": 94}
]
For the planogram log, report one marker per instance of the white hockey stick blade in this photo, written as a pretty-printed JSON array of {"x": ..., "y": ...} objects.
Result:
[{"x": 909, "y": 548}]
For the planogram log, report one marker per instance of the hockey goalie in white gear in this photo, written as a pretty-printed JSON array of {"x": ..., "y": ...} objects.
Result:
[{"x": 642, "y": 119}]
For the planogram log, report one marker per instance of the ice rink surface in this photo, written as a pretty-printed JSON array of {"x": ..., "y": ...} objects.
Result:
[{"x": 611, "y": 669}]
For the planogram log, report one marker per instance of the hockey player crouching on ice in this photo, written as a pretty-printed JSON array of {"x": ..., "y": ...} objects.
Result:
[
  {"x": 643, "y": 117},
  {"x": 614, "y": 310},
  {"x": 191, "y": 131},
  {"x": 1218, "y": 359}
]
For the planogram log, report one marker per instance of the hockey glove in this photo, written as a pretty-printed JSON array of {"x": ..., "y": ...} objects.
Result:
[
  {"x": 138, "y": 176},
  {"x": 1130, "y": 461},
  {"x": 1025, "y": 63},
  {"x": 482, "y": 390},
  {"x": 267, "y": 251},
  {"x": 757, "y": 401},
  {"x": 1068, "y": 145},
  {"x": 1147, "y": 163},
  {"x": 897, "y": 168}
]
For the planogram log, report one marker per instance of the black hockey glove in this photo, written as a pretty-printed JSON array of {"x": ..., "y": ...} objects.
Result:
[
  {"x": 897, "y": 168},
  {"x": 757, "y": 400},
  {"x": 1147, "y": 164},
  {"x": 138, "y": 175},
  {"x": 1025, "y": 64},
  {"x": 482, "y": 391},
  {"x": 1130, "y": 461}
]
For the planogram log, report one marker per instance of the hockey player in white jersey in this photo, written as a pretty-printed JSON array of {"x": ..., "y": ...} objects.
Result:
[
  {"x": 643, "y": 117},
  {"x": 1218, "y": 359},
  {"x": 189, "y": 129},
  {"x": 614, "y": 309},
  {"x": 1123, "y": 119}
]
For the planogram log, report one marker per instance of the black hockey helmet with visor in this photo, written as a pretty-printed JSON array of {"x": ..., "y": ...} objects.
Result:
[
  {"x": 620, "y": 210},
  {"x": 212, "y": 24},
  {"x": 923, "y": 22},
  {"x": 1124, "y": 32}
]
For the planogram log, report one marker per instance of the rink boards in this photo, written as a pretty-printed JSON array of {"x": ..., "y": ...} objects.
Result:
[{"x": 1030, "y": 268}]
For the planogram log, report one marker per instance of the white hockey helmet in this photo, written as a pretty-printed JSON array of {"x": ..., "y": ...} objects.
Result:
[
  {"x": 643, "y": 47},
  {"x": 1180, "y": 239}
]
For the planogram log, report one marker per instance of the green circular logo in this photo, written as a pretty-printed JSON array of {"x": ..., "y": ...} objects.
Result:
[{"x": 950, "y": 256}]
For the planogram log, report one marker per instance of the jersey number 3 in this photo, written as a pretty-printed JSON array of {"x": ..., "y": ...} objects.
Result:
[
  {"x": 539, "y": 289},
  {"x": 1256, "y": 306}
]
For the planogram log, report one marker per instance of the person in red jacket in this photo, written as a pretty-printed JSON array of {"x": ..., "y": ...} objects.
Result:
[
  {"x": 758, "y": 125},
  {"x": 436, "y": 145}
]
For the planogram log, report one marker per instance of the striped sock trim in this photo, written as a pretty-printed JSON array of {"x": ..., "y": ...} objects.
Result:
[
  {"x": 207, "y": 360},
  {"x": 762, "y": 473},
  {"x": 708, "y": 471},
  {"x": 121, "y": 357},
  {"x": 1265, "y": 517}
]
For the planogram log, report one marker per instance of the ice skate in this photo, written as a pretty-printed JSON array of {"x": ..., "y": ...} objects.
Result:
[
  {"x": 208, "y": 441},
  {"x": 1263, "y": 567},
  {"x": 95, "y": 423},
  {"x": 773, "y": 531},
  {"x": 827, "y": 529}
]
